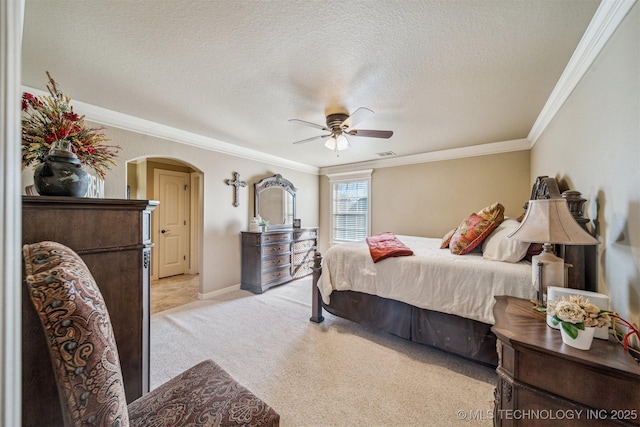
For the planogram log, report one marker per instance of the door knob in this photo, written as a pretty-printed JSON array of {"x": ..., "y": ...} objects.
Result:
[{"x": 165, "y": 231}]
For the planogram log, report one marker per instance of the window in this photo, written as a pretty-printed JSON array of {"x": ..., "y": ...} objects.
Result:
[{"x": 350, "y": 207}]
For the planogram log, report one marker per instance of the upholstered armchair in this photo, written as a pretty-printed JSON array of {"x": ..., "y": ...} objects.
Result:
[{"x": 87, "y": 366}]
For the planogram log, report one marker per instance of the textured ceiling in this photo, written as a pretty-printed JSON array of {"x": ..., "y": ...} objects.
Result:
[{"x": 440, "y": 74}]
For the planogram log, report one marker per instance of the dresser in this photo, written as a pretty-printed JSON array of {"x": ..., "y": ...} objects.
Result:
[
  {"x": 113, "y": 237},
  {"x": 543, "y": 382},
  {"x": 275, "y": 257}
]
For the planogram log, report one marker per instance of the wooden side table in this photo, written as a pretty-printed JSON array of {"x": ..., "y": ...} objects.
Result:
[{"x": 543, "y": 382}]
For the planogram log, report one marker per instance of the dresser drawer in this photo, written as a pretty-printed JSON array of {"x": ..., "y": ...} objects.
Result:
[
  {"x": 281, "y": 248},
  {"x": 276, "y": 237},
  {"x": 276, "y": 261},
  {"x": 276, "y": 274},
  {"x": 559, "y": 378}
]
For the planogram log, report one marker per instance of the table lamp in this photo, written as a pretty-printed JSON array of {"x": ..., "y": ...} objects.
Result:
[{"x": 549, "y": 221}]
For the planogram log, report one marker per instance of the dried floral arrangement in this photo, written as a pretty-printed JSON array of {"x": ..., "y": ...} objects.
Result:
[
  {"x": 48, "y": 119},
  {"x": 574, "y": 313}
]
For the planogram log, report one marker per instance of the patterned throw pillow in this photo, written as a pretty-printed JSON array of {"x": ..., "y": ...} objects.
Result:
[
  {"x": 79, "y": 334},
  {"x": 446, "y": 239},
  {"x": 475, "y": 228}
]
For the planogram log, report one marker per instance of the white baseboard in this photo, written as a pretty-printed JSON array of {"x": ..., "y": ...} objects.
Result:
[{"x": 219, "y": 292}]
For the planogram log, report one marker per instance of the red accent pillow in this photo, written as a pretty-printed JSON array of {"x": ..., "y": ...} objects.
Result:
[{"x": 475, "y": 228}]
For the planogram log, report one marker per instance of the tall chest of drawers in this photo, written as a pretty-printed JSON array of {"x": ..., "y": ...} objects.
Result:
[
  {"x": 275, "y": 257},
  {"x": 113, "y": 237}
]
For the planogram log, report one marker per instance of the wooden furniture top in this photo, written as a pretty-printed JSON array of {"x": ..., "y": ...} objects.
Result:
[
  {"x": 518, "y": 323},
  {"x": 78, "y": 202}
]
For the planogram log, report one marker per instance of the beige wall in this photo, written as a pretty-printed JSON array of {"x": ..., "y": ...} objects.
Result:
[
  {"x": 594, "y": 144},
  {"x": 222, "y": 222},
  {"x": 429, "y": 199}
]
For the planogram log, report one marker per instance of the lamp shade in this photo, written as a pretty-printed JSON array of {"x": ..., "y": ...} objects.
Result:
[
  {"x": 550, "y": 221},
  {"x": 337, "y": 142}
]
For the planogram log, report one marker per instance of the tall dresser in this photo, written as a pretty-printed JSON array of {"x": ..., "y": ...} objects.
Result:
[
  {"x": 113, "y": 237},
  {"x": 275, "y": 257}
]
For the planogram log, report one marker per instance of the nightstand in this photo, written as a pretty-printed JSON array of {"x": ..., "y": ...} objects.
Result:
[{"x": 543, "y": 382}]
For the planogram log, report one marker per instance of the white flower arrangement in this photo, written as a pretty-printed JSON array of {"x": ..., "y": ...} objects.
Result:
[{"x": 575, "y": 313}]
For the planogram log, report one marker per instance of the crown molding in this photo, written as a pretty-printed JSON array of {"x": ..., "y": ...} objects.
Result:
[
  {"x": 351, "y": 175},
  {"x": 106, "y": 117},
  {"x": 605, "y": 21},
  {"x": 435, "y": 156}
]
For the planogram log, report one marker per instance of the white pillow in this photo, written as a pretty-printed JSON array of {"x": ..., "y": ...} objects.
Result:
[{"x": 497, "y": 247}]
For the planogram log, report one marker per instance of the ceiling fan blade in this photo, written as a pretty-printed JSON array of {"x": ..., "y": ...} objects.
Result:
[
  {"x": 302, "y": 122},
  {"x": 371, "y": 133},
  {"x": 359, "y": 115},
  {"x": 313, "y": 138}
]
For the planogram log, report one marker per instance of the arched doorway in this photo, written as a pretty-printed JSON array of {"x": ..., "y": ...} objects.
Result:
[{"x": 176, "y": 226}]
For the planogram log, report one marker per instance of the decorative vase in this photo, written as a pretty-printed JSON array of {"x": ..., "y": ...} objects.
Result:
[
  {"x": 254, "y": 226},
  {"x": 582, "y": 341},
  {"x": 61, "y": 173}
]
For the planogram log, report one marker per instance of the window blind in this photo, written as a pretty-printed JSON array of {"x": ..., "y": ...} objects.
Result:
[{"x": 350, "y": 210}]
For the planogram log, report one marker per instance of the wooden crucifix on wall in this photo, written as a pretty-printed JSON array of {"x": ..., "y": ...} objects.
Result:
[{"x": 236, "y": 183}]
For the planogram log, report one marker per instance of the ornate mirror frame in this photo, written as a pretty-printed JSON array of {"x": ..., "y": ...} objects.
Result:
[{"x": 276, "y": 181}]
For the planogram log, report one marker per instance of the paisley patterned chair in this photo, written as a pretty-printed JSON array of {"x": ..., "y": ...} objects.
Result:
[{"x": 87, "y": 366}]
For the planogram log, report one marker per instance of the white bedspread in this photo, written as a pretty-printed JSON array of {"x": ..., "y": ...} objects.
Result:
[{"x": 432, "y": 278}]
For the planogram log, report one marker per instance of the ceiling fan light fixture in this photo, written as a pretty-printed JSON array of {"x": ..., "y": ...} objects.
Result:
[
  {"x": 339, "y": 126},
  {"x": 337, "y": 143}
]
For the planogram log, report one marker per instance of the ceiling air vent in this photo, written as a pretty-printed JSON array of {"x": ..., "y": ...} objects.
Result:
[{"x": 386, "y": 154}]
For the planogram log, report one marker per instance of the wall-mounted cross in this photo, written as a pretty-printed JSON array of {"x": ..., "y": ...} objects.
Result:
[{"x": 236, "y": 184}]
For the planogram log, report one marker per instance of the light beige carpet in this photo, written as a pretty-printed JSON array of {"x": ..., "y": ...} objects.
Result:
[{"x": 336, "y": 373}]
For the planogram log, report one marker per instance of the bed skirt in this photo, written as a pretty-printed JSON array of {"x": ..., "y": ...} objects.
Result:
[{"x": 464, "y": 337}]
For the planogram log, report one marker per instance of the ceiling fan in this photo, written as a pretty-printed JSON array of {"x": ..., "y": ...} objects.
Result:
[{"x": 340, "y": 125}]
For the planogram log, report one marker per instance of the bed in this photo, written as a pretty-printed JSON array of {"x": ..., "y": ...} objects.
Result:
[{"x": 433, "y": 297}]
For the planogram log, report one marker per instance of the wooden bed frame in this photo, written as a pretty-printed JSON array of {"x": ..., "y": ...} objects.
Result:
[{"x": 465, "y": 337}]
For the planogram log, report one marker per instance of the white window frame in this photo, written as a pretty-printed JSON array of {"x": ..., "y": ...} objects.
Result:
[{"x": 344, "y": 177}]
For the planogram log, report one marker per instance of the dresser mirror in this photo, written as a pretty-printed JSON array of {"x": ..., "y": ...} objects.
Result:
[{"x": 275, "y": 201}]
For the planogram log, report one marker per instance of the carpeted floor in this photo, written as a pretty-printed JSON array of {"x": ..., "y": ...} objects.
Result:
[{"x": 336, "y": 373}]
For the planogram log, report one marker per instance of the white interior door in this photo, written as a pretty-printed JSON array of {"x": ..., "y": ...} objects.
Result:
[{"x": 172, "y": 222}]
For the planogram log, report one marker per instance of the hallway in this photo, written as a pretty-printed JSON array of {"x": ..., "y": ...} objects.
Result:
[{"x": 173, "y": 291}]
